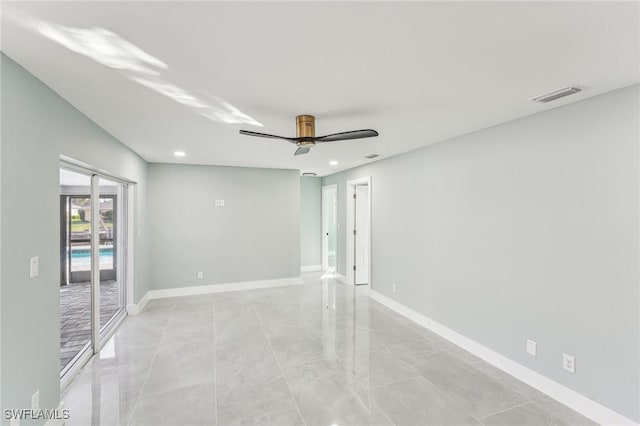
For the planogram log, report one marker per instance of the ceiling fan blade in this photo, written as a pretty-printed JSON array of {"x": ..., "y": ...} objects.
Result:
[
  {"x": 265, "y": 135},
  {"x": 354, "y": 134},
  {"x": 302, "y": 150}
]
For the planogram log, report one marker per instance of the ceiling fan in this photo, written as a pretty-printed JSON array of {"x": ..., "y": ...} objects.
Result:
[{"x": 306, "y": 134}]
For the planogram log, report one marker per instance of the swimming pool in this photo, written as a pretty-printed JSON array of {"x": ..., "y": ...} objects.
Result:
[
  {"x": 81, "y": 259},
  {"x": 80, "y": 253}
]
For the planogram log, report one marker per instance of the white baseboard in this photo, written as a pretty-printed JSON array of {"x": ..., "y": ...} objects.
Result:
[
  {"x": 136, "y": 308},
  {"x": 311, "y": 268},
  {"x": 218, "y": 288},
  {"x": 580, "y": 403},
  {"x": 342, "y": 279}
]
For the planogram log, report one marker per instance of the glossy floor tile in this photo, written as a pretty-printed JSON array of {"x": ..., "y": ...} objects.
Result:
[{"x": 320, "y": 354}]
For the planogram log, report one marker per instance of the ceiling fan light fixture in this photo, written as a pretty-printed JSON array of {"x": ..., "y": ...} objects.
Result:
[
  {"x": 306, "y": 143},
  {"x": 306, "y": 135}
]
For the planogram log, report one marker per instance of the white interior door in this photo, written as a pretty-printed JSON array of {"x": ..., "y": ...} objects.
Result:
[
  {"x": 329, "y": 228},
  {"x": 361, "y": 237}
]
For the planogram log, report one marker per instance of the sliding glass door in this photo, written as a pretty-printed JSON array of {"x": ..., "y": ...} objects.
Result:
[
  {"x": 92, "y": 273},
  {"x": 75, "y": 267},
  {"x": 111, "y": 235}
]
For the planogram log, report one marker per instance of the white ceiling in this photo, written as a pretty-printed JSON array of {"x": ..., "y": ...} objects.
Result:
[{"x": 166, "y": 76}]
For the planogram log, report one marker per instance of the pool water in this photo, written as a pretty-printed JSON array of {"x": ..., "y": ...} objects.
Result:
[
  {"x": 81, "y": 259},
  {"x": 86, "y": 253}
]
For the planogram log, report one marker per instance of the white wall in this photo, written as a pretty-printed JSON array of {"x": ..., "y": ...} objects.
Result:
[
  {"x": 37, "y": 127},
  {"x": 528, "y": 229},
  {"x": 255, "y": 236},
  {"x": 310, "y": 220}
]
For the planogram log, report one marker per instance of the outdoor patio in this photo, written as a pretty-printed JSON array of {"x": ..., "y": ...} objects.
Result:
[{"x": 75, "y": 315}]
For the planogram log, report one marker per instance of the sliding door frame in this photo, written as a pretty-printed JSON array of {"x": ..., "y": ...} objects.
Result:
[{"x": 124, "y": 261}]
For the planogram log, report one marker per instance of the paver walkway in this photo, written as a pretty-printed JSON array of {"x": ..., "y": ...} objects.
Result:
[{"x": 75, "y": 315}]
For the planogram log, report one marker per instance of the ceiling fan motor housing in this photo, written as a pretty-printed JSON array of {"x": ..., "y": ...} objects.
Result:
[{"x": 306, "y": 128}]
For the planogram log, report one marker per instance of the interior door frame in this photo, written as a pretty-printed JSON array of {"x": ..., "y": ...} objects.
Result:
[
  {"x": 325, "y": 224},
  {"x": 124, "y": 273},
  {"x": 349, "y": 229}
]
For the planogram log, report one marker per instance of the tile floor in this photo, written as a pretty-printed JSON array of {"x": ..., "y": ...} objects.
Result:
[{"x": 316, "y": 354}]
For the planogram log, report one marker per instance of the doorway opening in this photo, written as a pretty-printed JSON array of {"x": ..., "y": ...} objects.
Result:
[
  {"x": 93, "y": 227},
  {"x": 329, "y": 228},
  {"x": 358, "y": 255}
]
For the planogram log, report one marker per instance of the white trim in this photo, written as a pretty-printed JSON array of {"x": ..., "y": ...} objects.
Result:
[
  {"x": 86, "y": 168},
  {"x": 213, "y": 288},
  {"x": 311, "y": 268},
  {"x": 325, "y": 224},
  {"x": 95, "y": 263},
  {"x": 56, "y": 422},
  {"x": 131, "y": 244},
  {"x": 580, "y": 403},
  {"x": 135, "y": 309},
  {"x": 349, "y": 262}
]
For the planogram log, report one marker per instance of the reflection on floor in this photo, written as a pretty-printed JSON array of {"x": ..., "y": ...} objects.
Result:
[
  {"x": 75, "y": 315},
  {"x": 316, "y": 354}
]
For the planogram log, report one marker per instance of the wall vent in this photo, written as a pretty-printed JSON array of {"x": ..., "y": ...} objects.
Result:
[
  {"x": 308, "y": 174},
  {"x": 371, "y": 156},
  {"x": 556, "y": 94}
]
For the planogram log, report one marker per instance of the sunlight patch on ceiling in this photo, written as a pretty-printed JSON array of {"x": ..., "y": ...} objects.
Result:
[
  {"x": 218, "y": 110},
  {"x": 112, "y": 51},
  {"x": 170, "y": 90},
  {"x": 104, "y": 47}
]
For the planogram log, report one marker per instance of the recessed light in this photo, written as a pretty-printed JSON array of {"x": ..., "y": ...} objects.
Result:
[
  {"x": 333, "y": 163},
  {"x": 179, "y": 153}
]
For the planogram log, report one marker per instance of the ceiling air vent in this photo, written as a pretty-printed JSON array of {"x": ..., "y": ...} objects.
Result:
[
  {"x": 308, "y": 174},
  {"x": 556, "y": 94},
  {"x": 371, "y": 156}
]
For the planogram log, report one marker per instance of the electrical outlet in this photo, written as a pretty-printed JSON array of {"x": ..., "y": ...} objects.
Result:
[
  {"x": 219, "y": 203},
  {"x": 531, "y": 347},
  {"x": 569, "y": 363},
  {"x": 200, "y": 275},
  {"x": 35, "y": 401},
  {"x": 34, "y": 267},
  {"x": 395, "y": 287}
]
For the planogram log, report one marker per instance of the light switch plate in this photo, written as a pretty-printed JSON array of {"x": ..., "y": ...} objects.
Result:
[
  {"x": 34, "y": 267},
  {"x": 200, "y": 275},
  {"x": 532, "y": 347},
  {"x": 219, "y": 203}
]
